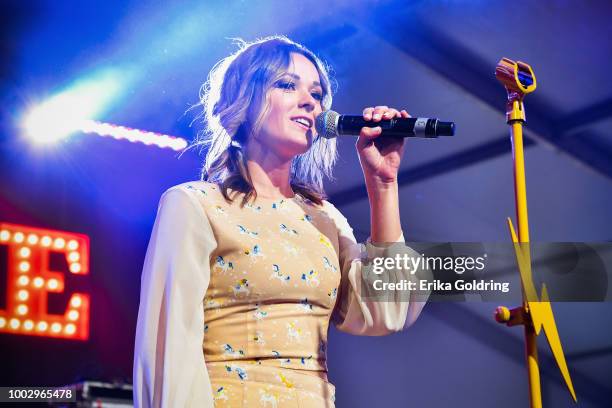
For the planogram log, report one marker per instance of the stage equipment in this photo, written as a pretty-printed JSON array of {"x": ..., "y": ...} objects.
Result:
[
  {"x": 330, "y": 124},
  {"x": 133, "y": 135},
  {"x": 94, "y": 394},
  {"x": 536, "y": 312}
]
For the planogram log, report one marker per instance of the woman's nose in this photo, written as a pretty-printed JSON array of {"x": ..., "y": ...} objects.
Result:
[{"x": 307, "y": 101}]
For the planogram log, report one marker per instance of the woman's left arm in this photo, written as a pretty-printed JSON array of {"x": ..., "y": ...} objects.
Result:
[
  {"x": 356, "y": 313},
  {"x": 366, "y": 313},
  {"x": 380, "y": 159}
]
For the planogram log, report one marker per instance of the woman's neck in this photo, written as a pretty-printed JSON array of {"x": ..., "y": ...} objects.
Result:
[{"x": 270, "y": 174}]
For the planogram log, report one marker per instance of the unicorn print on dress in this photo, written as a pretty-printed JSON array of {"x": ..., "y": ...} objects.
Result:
[
  {"x": 285, "y": 381},
  {"x": 241, "y": 288},
  {"x": 281, "y": 205},
  {"x": 277, "y": 274},
  {"x": 307, "y": 361},
  {"x": 254, "y": 253},
  {"x": 258, "y": 337},
  {"x": 220, "y": 211},
  {"x": 199, "y": 190},
  {"x": 267, "y": 397},
  {"x": 210, "y": 303},
  {"x": 286, "y": 230},
  {"x": 229, "y": 351},
  {"x": 325, "y": 241},
  {"x": 284, "y": 362},
  {"x": 311, "y": 278},
  {"x": 240, "y": 371},
  {"x": 220, "y": 394},
  {"x": 294, "y": 333},
  {"x": 254, "y": 208},
  {"x": 258, "y": 313},
  {"x": 276, "y": 297},
  {"x": 306, "y": 218},
  {"x": 223, "y": 265},
  {"x": 245, "y": 231},
  {"x": 328, "y": 265},
  {"x": 304, "y": 305},
  {"x": 332, "y": 295}
]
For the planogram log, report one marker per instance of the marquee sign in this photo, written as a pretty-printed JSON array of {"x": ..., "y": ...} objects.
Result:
[{"x": 29, "y": 280}]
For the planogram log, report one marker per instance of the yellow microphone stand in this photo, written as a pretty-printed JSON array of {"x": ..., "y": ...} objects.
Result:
[{"x": 536, "y": 312}]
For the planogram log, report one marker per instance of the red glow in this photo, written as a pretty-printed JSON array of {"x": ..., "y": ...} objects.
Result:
[{"x": 29, "y": 280}]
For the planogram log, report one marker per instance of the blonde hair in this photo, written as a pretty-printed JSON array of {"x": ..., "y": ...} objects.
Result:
[{"x": 234, "y": 92}]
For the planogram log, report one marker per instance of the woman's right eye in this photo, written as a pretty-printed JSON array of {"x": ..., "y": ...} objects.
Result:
[{"x": 286, "y": 85}]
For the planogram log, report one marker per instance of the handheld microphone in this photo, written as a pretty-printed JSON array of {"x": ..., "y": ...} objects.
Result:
[{"x": 330, "y": 124}]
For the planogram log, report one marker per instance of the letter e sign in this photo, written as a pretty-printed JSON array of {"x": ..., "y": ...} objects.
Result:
[{"x": 29, "y": 280}]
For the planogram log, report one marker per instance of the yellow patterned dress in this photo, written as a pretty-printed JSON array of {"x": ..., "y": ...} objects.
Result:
[{"x": 236, "y": 301}]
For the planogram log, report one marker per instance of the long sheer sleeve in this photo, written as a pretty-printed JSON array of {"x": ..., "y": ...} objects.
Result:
[
  {"x": 365, "y": 316},
  {"x": 169, "y": 367}
]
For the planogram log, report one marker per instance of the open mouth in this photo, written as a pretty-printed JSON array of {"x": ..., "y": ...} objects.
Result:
[{"x": 303, "y": 123}]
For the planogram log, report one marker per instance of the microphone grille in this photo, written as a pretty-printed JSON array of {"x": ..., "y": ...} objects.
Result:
[{"x": 326, "y": 124}]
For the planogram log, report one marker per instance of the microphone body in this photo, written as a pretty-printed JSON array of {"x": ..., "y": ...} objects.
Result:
[{"x": 330, "y": 124}]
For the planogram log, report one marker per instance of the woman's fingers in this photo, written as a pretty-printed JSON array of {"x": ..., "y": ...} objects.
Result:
[
  {"x": 370, "y": 133},
  {"x": 377, "y": 113},
  {"x": 382, "y": 112},
  {"x": 390, "y": 114}
]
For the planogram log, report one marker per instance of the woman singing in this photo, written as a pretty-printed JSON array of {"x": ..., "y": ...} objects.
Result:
[{"x": 245, "y": 269}]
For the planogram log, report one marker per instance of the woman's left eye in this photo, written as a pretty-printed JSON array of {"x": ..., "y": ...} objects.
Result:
[{"x": 317, "y": 95}]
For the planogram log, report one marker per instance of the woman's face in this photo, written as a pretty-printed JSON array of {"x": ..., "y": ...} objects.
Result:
[{"x": 294, "y": 103}]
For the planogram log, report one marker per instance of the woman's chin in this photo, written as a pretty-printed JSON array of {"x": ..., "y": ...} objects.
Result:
[
  {"x": 291, "y": 144},
  {"x": 299, "y": 145}
]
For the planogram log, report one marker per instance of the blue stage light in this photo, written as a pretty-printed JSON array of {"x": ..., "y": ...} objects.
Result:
[{"x": 64, "y": 113}]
